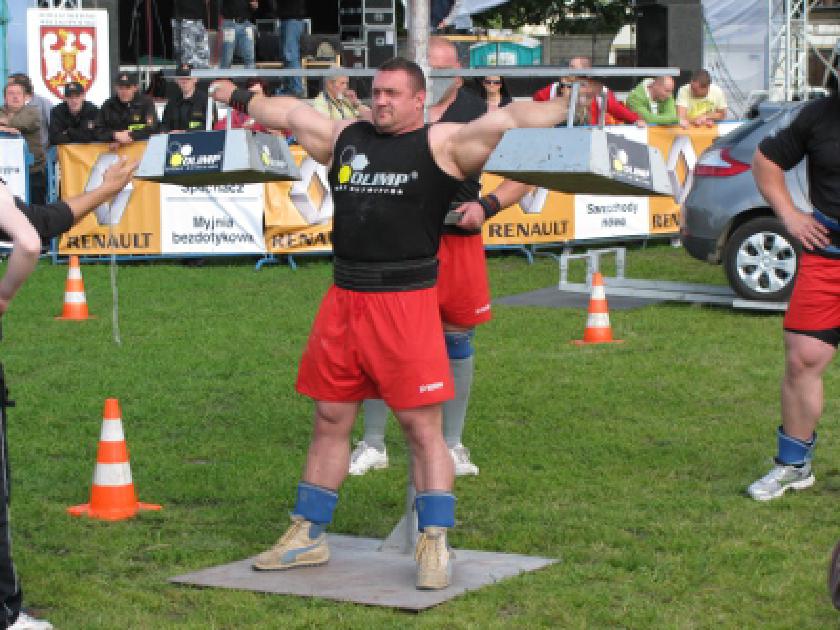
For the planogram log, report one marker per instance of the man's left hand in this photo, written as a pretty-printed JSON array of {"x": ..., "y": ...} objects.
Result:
[
  {"x": 472, "y": 216},
  {"x": 221, "y": 90}
]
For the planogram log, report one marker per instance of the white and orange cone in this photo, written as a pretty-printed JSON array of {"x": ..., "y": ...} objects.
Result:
[
  {"x": 112, "y": 497},
  {"x": 75, "y": 302},
  {"x": 598, "y": 328}
]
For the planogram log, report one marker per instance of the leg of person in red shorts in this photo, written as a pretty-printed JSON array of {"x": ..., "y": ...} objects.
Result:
[
  {"x": 351, "y": 355},
  {"x": 812, "y": 334}
]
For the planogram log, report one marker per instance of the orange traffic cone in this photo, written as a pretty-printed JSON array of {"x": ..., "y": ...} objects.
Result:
[
  {"x": 75, "y": 303},
  {"x": 112, "y": 496},
  {"x": 598, "y": 322}
]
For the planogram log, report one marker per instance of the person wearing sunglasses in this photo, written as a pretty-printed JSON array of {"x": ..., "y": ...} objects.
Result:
[{"x": 494, "y": 92}]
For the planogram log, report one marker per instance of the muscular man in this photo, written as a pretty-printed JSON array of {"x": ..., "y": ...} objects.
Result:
[
  {"x": 378, "y": 332},
  {"x": 463, "y": 290},
  {"x": 812, "y": 321},
  {"x": 26, "y": 225}
]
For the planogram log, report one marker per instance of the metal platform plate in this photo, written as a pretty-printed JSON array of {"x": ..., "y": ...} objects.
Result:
[
  {"x": 358, "y": 572},
  {"x": 586, "y": 161},
  {"x": 202, "y": 158}
]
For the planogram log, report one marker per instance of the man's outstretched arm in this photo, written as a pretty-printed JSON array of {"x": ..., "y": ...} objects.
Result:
[
  {"x": 462, "y": 150},
  {"x": 315, "y": 133},
  {"x": 25, "y": 252}
]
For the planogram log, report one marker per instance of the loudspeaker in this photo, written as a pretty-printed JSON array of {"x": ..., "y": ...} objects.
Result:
[
  {"x": 670, "y": 33},
  {"x": 381, "y": 46}
]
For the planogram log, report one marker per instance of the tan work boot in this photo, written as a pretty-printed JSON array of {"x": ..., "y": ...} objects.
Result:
[
  {"x": 295, "y": 548},
  {"x": 434, "y": 559}
]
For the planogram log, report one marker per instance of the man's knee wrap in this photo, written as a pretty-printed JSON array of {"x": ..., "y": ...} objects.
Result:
[
  {"x": 435, "y": 509},
  {"x": 792, "y": 451},
  {"x": 459, "y": 344},
  {"x": 314, "y": 503}
]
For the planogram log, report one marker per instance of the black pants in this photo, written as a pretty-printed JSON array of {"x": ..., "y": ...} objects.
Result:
[{"x": 10, "y": 593}]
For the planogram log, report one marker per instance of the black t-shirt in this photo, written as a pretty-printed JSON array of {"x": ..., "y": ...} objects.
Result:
[
  {"x": 189, "y": 9},
  {"x": 815, "y": 134},
  {"x": 466, "y": 107},
  {"x": 236, "y": 9},
  {"x": 389, "y": 194}
]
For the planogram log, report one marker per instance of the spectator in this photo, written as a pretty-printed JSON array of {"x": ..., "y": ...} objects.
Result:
[
  {"x": 128, "y": 116},
  {"x": 291, "y": 14},
  {"x": 37, "y": 101},
  {"x": 189, "y": 33},
  {"x": 337, "y": 101},
  {"x": 494, "y": 91},
  {"x": 653, "y": 100},
  {"x": 562, "y": 87},
  {"x": 241, "y": 120},
  {"x": 16, "y": 118},
  {"x": 700, "y": 102},
  {"x": 439, "y": 10},
  {"x": 238, "y": 32},
  {"x": 617, "y": 113},
  {"x": 74, "y": 119},
  {"x": 188, "y": 110}
]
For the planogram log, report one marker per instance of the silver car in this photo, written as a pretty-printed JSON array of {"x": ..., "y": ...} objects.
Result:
[{"x": 726, "y": 220}]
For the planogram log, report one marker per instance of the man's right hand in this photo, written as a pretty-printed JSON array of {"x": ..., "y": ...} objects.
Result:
[
  {"x": 221, "y": 90},
  {"x": 123, "y": 137},
  {"x": 117, "y": 176},
  {"x": 806, "y": 229}
]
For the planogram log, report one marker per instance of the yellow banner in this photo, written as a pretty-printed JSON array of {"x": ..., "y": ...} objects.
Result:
[{"x": 298, "y": 215}]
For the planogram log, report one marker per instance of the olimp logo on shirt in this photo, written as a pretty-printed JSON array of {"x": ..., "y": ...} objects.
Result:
[{"x": 352, "y": 176}]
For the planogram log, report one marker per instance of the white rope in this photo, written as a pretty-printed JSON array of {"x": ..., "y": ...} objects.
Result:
[{"x": 115, "y": 311}]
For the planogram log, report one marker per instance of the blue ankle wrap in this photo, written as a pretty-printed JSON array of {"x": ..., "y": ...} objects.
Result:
[
  {"x": 435, "y": 509},
  {"x": 792, "y": 451},
  {"x": 459, "y": 344},
  {"x": 314, "y": 503}
]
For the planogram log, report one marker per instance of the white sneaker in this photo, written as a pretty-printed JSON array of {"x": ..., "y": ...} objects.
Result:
[
  {"x": 364, "y": 458},
  {"x": 461, "y": 459},
  {"x": 779, "y": 479},
  {"x": 25, "y": 622}
]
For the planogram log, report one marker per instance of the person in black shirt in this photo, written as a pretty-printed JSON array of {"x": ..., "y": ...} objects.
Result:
[
  {"x": 189, "y": 32},
  {"x": 378, "y": 331},
  {"x": 128, "y": 116},
  {"x": 238, "y": 32},
  {"x": 73, "y": 120},
  {"x": 188, "y": 110},
  {"x": 812, "y": 321},
  {"x": 26, "y": 225}
]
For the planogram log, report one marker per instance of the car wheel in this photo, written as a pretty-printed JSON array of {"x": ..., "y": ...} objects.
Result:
[{"x": 761, "y": 259}]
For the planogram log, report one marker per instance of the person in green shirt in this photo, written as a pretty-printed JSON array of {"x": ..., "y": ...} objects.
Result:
[{"x": 653, "y": 100}]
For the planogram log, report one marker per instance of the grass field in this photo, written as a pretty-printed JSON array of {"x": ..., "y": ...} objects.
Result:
[{"x": 629, "y": 462}]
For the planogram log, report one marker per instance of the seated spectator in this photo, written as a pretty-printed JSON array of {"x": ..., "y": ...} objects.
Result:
[
  {"x": 653, "y": 100},
  {"x": 337, "y": 101},
  {"x": 187, "y": 111},
  {"x": 128, "y": 116},
  {"x": 241, "y": 120},
  {"x": 700, "y": 102},
  {"x": 16, "y": 118},
  {"x": 74, "y": 119},
  {"x": 494, "y": 91},
  {"x": 37, "y": 101}
]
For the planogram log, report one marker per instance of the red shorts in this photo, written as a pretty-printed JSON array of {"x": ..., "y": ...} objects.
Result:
[
  {"x": 815, "y": 302},
  {"x": 377, "y": 345},
  {"x": 463, "y": 287}
]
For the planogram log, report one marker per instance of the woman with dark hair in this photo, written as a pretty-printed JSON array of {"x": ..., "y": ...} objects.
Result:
[{"x": 494, "y": 92}]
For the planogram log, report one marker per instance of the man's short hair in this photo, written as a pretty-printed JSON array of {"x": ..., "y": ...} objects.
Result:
[
  {"x": 22, "y": 80},
  {"x": 414, "y": 72},
  {"x": 701, "y": 77}
]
